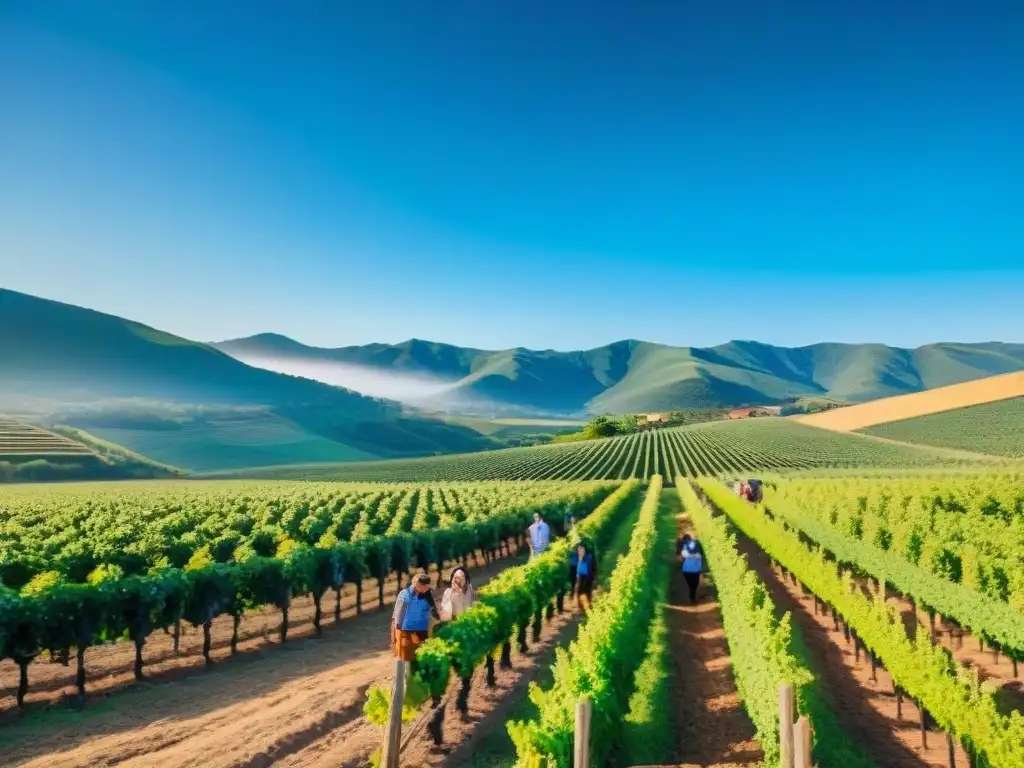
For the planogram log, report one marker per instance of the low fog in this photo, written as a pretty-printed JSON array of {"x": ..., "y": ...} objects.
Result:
[{"x": 405, "y": 388}]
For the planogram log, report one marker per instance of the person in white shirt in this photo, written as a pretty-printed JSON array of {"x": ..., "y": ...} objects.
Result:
[
  {"x": 459, "y": 597},
  {"x": 540, "y": 535}
]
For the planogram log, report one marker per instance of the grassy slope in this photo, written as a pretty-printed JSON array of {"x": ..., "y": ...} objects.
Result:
[
  {"x": 993, "y": 428},
  {"x": 510, "y": 427},
  {"x": 252, "y": 440},
  {"x": 990, "y": 389},
  {"x": 64, "y": 353},
  {"x": 636, "y": 376}
]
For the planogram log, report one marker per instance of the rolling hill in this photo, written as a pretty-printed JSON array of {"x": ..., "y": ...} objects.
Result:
[
  {"x": 995, "y": 428},
  {"x": 637, "y": 376},
  {"x": 933, "y": 401},
  {"x": 104, "y": 373}
]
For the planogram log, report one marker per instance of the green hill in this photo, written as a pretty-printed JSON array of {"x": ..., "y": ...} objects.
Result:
[
  {"x": 638, "y": 376},
  {"x": 105, "y": 373},
  {"x": 993, "y": 428}
]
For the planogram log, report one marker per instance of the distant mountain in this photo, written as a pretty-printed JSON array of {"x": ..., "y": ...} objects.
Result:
[
  {"x": 86, "y": 365},
  {"x": 637, "y": 376}
]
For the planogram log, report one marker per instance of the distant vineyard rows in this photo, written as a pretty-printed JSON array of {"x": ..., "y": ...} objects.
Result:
[{"x": 720, "y": 448}]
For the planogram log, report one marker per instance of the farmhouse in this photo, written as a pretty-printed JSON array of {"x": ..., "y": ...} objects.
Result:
[
  {"x": 645, "y": 420},
  {"x": 761, "y": 410}
]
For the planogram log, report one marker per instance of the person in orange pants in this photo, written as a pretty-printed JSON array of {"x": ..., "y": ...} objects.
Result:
[{"x": 410, "y": 623}]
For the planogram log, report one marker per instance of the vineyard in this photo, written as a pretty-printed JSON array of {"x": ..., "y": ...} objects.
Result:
[
  {"x": 713, "y": 448},
  {"x": 994, "y": 428},
  {"x": 891, "y": 605},
  {"x": 84, "y": 568},
  {"x": 22, "y": 441}
]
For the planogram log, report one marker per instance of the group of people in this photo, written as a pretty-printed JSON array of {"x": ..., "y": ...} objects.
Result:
[
  {"x": 582, "y": 563},
  {"x": 751, "y": 490},
  {"x": 415, "y": 606}
]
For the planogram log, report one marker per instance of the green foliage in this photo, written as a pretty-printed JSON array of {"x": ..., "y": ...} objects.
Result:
[
  {"x": 993, "y": 428},
  {"x": 510, "y": 600},
  {"x": 601, "y": 663},
  {"x": 378, "y": 701},
  {"x": 67, "y": 551},
  {"x": 42, "y": 582},
  {"x": 759, "y": 640},
  {"x": 648, "y": 735},
  {"x": 972, "y": 570},
  {"x": 952, "y": 695}
]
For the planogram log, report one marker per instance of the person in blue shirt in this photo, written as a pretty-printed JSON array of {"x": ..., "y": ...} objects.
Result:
[
  {"x": 583, "y": 568},
  {"x": 410, "y": 623},
  {"x": 693, "y": 565}
]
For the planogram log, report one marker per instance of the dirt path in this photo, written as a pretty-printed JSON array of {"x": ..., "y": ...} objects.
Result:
[
  {"x": 866, "y": 707},
  {"x": 489, "y": 708},
  {"x": 109, "y": 667},
  {"x": 256, "y": 710},
  {"x": 713, "y": 728}
]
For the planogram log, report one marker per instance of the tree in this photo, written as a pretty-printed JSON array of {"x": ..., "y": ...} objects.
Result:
[{"x": 601, "y": 426}]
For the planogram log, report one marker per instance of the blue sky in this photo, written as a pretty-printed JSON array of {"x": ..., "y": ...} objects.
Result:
[{"x": 538, "y": 174}]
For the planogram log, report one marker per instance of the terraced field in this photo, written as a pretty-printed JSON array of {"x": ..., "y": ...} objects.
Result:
[
  {"x": 714, "y": 448},
  {"x": 994, "y": 428},
  {"x": 23, "y": 441}
]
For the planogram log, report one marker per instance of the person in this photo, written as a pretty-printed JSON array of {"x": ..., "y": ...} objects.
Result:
[
  {"x": 584, "y": 567},
  {"x": 568, "y": 523},
  {"x": 681, "y": 544},
  {"x": 459, "y": 596},
  {"x": 693, "y": 565},
  {"x": 410, "y": 623},
  {"x": 540, "y": 536}
]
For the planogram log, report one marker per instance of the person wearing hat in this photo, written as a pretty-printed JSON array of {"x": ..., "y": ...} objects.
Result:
[{"x": 410, "y": 624}]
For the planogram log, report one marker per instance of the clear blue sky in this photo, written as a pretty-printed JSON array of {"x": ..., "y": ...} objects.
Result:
[{"x": 545, "y": 174}]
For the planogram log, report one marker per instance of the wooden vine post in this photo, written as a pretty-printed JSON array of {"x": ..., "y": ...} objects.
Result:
[
  {"x": 584, "y": 710},
  {"x": 786, "y": 726},
  {"x": 393, "y": 733},
  {"x": 802, "y": 743}
]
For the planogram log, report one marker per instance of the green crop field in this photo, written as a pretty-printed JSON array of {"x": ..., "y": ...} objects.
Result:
[
  {"x": 87, "y": 565},
  {"x": 993, "y": 428},
  {"x": 712, "y": 448},
  {"x": 232, "y": 440}
]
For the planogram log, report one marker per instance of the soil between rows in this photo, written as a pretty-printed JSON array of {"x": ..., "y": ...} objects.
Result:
[
  {"x": 866, "y": 708},
  {"x": 712, "y": 727}
]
